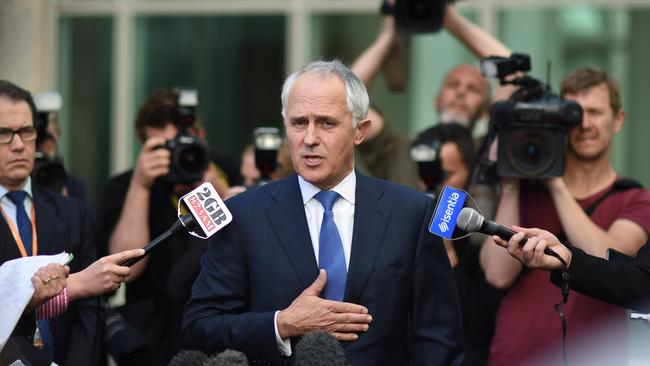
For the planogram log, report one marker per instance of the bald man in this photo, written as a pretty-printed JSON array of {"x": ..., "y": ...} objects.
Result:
[{"x": 463, "y": 97}]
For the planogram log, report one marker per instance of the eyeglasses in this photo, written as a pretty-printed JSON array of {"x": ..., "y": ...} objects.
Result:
[{"x": 26, "y": 134}]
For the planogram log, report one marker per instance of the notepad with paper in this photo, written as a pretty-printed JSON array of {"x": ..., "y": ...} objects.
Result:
[{"x": 16, "y": 288}]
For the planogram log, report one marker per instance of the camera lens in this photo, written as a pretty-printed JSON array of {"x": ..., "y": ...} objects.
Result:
[
  {"x": 192, "y": 159},
  {"x": 532, "y": 151},
  {"x": 529, "y": 152}
]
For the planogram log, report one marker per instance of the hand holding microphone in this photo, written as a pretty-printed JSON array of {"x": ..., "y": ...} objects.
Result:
[
  {"x": 471, "y": 221},
  {"x": 529, "y": 246},
  {"x": 102, "y": 276}
]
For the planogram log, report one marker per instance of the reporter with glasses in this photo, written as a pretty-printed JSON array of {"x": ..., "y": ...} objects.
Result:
[{"x": 38, "y": 221}]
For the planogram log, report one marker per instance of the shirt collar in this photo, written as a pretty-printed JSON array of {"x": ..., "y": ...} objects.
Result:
[
  {"x": 27, "y": 188},
  {"x": 346, "y": 188}
]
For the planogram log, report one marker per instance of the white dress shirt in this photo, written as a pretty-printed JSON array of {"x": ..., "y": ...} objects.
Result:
[
  {"x": 9, "y": 208},
  {"x": 343, "y": 210}
]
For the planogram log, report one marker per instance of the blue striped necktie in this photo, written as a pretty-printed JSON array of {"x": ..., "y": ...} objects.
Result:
[
  {"x": 330, "y": 249},
  {"x": 25, "y": 229}
]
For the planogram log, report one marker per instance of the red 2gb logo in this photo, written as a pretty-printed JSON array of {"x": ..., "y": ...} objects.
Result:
[{"x": 208, "y": 209}]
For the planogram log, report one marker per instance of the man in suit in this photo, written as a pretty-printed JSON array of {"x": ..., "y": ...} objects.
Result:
[
  {"x": 385, "y": 287},
  {"x": 60, "y": 224}
]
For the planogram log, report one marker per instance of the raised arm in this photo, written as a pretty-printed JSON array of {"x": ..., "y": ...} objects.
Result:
[
  {"x": 623, "y": 235},
  {"x": 500, "y": 268},
  {"x": 479, "y": 41},
  {"x": 369, "y": 63},
  {"x": 132, "y": 229}
]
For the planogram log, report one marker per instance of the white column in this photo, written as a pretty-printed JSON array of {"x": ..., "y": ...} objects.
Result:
[
  {"x": 298, "y": 35},
  {"x": 122, "y": 100},
  {"x": 22, "y": 41}
]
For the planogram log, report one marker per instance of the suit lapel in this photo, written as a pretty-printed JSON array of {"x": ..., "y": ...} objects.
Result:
[
  {"x": 44, "y": 227},
  {"x": 288, "y": 220},
  {"x": 370, "y": 223}
]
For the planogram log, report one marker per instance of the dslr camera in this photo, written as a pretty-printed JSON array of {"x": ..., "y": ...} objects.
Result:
[
  {"x": 532, "y": 125},
  {"x": 189, "y": 154},
  {"x": 48, "y": 165},
  {"x": 268, "y": 141},
  {"x": 425, "y": 151}
]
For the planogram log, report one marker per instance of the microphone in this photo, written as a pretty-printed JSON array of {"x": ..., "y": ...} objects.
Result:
[
  {"x": 319, "y": 349},
  {"x": 470, "y": 220},
  {"x": 227, "y": 358},
  {"x": 207, "y": 212},
  {"x": 185, "y": 221},
  {"x": 188, "y": 358}
]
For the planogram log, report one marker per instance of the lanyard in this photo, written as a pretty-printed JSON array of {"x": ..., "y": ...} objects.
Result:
[{"x": 16, "y": 234}]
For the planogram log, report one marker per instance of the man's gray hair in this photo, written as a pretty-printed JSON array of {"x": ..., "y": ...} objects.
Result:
[{"x": 355, "y": 91}]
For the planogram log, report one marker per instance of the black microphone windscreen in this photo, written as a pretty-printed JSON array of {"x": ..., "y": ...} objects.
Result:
[
  {"x": 188, "y": 358},
  {"x": 319, "y": 349},
  {"x": 227, "y": 358},
  {"x": 469, "y": 220}
]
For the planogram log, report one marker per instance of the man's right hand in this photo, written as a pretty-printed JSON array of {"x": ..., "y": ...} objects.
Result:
[
  {"x": 152, "y": 163},
  {"x": 309, "y": 312},
  {"x": 532, "y": 253},
  {"x": 102, "y": 276}
]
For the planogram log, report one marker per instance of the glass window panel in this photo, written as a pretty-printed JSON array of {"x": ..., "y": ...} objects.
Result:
[
  {"x": 84, "y": 80},
  {"x": 236, "y": 62}
]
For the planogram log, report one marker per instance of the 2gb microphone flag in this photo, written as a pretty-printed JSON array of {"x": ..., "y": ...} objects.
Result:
[
  {"x": 208, "y": 209},
  {"x": 450, "y": 203}
]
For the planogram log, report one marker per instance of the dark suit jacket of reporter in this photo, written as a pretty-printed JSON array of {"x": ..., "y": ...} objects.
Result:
[
  {"x": 264, "y": 259},
  {"x": 626, "y": 284},
  {"x": 62, "y": 224}
]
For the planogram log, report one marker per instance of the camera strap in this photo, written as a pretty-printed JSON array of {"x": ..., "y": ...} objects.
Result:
[
  {"x": 564, "y": 288},
  {"x": 619, "y": 185}
]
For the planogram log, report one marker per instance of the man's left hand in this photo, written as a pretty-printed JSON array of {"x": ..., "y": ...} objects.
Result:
[{"x": 48, "y": 282}]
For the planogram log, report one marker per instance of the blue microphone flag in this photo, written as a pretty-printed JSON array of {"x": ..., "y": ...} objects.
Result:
[{"x": 450, "y": 203}]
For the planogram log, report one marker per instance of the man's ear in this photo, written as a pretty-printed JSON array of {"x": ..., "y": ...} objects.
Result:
[
  {"x": 361, "y": 131},
  {"x": 619, "y": 120}
]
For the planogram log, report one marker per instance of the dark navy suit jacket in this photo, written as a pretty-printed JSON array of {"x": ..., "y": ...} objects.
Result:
[
  {"x": 63, "y": 224},
  {"x": 264, "y": 259}
]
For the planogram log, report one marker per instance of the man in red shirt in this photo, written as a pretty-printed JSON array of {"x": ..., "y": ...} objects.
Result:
[{"x": 528, "y": 330}]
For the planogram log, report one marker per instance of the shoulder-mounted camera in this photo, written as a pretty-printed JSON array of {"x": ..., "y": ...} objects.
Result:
[{"x": 532, "y": 125}]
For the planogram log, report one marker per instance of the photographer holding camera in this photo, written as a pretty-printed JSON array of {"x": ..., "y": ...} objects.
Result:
[
  {"x": 578, "y": 197},
  {"x": 49, "y": 170},
  {"x": 463, "y": 96},
  {"x": 140, "y": 204}
]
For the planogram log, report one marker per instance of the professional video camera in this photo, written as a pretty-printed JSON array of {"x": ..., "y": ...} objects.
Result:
[
  {"x": 411, "y": 16},
  {"x": 532, "y": 125},
  {"x": 267, "y": 143},
  {"x": 189, "y": 154},
  {"x": 48, "y": 166},
  {"x": 418, "y": 16}
]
